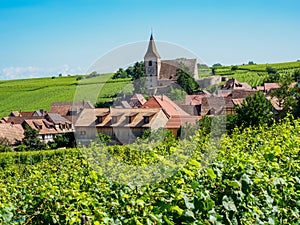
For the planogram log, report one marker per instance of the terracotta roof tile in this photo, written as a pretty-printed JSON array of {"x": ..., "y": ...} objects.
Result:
[
  {"x": 166, "y": 104},
  {"x": 176, "y": 122},
  {"x": 12, "y": 133}
]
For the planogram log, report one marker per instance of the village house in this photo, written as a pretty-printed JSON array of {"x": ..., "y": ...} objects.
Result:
[
  {"x": 48, "y": 124},
  {"x": 70, "y": 110},
  {"x": 122, "y": 125},
  {"x": 177, "y": 117}
]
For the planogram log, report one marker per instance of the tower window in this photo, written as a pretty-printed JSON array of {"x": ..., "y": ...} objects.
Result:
[{"x": 150, "y": 63}]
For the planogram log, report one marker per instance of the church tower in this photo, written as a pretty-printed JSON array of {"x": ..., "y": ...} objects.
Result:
[{"x": 152, "y": 64}]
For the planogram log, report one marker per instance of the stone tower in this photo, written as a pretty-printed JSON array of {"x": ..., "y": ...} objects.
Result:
[{"x": 152, "y": 63}]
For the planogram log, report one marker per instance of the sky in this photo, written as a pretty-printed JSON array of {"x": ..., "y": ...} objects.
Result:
[{"x": 49, "y": 37}]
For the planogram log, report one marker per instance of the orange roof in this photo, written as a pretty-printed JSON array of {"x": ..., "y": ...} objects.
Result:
[
  {"x": 63, "y": 108},
  {"x": 178, "y": 121},
  {"x": 193, "y": 99},
  {"x": 12, "y": 133},
  {"x": 271, "y": 86},
  {"x": 88, "y": 117},
  {"x": 163, "y": 102},
  {"x": 42, "y": 125}
]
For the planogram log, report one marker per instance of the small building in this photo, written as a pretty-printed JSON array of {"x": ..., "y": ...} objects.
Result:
[
  {"x": 122, "y": 125},
  {"x": 45, "y": 128}
]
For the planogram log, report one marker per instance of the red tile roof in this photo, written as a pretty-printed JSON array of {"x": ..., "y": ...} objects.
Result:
[
  {"x": 12, "y": 133},
  {"x": 270, "y": 86},
  {"x": 176, "y": 121},
  {"x": 166, "y": 104},
  {"x": 42, "y": 125},
  {"x": 63, "y": 108}
]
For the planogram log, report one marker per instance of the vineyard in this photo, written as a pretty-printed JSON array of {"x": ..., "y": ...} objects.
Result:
[
  {"x": 246, "y": 178},
  {"x": 38, "y": 93},
  {"x": 255, "y": 74}
]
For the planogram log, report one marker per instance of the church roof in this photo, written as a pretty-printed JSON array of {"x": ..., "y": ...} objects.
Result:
[{"x": 152, "y": 51}]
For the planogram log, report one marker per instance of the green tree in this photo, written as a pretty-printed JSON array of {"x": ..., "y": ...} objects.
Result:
[
  {"x": 63, "y": 140},
  {"x": 138, "y": 70},
  {"x": 121, "y": 73},
  {"x": 187, "y": 82},
  {"x": 254, "y": 111},
  {"x": 31, "y": 139}
]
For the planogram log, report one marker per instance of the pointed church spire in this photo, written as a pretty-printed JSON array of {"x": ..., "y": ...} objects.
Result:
[{"x": 152, "y": 51}]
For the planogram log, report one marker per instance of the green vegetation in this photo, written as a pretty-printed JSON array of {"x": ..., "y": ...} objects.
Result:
[
  {"x": 256, "y": 74},
  {"x": 251, "y": 177},
  {"x": 34, "y": 94},
  {"x": 187, "y": 82}
]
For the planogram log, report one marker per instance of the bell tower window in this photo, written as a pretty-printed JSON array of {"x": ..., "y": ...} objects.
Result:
[{"x": 150, "y": 63}]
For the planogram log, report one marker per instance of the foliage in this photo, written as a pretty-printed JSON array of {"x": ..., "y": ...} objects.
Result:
[
  {"x": 31, "y": 139},
  {"x": 187, "y": 82},
  {"x": 217, "y": 65},
  {"x": 271, "y": 70},
  {"x": 104, "y": 139},
  {"x": 287, "y": 96},
  {"x": 121, "y": 73},
  {"x": 273, "y": 78},
  {"x": 233, "y": 68},
  {"x": 253, "y": 179},
  {"x": 176, "y": 94},
  {"x": 254, "y": 111},
  {"x": 5, "y": 145},
  {"x": 63, "y": 140}
]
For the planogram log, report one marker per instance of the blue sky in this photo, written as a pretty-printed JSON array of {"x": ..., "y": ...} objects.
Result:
[{"x": 48, "y": 37}]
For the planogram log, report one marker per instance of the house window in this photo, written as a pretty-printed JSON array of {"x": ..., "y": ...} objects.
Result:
[
  {"x": 150, "y": 63},
  {"x": 114, "y": 119},
  {"x": 146, "y": 119},
  {"x": 83, "y": 132},
  {"x": 129, "y": 119},
  {"x": 99, "y": 119}
]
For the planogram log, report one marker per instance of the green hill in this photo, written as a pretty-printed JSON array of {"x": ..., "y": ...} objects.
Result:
[{"x": 38, "y": 93}]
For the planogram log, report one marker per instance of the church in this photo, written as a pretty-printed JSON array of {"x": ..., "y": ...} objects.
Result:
[{"x": 161, "y": 73}]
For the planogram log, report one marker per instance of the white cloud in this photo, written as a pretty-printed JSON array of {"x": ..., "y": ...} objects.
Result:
[
  {"x": 10, "y": 73},
  {"x": 19, "y": 72}
]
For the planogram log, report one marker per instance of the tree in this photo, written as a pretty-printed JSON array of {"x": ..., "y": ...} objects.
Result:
[
  {"x": 138, "y": 70},
  {"x": 234, "y": 68},
  {"x": 121, "y": 73},
  {"x": 139, "y": 78},
  {"x": 254, "y": 110},
  {"x": 273, "y": 78},
  {"x": 217, "y": 65},
  {"x": 187, "y": 82},
  {"x": 63, "y": 140},
  {"x": 270, "y": 70},
  {"x": 31, "y": 140}
]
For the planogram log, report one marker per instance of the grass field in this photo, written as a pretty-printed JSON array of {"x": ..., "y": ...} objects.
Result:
[{"x": 34, "y": 94}]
